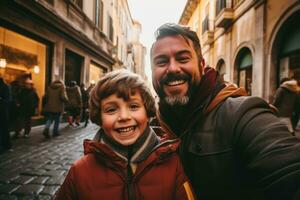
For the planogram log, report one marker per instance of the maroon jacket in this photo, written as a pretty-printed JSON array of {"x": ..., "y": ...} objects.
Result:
[{"x": 102, "y": 174}]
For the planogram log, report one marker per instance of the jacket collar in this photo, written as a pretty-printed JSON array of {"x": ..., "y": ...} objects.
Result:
[
  {"x": 151, "y": 150},
  {"x": 210, "y": 93}
]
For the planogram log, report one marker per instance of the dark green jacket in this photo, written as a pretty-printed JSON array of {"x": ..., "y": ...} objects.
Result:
[{"x": 238, "y": 149}]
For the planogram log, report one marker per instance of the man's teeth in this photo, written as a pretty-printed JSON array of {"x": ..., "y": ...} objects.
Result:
[
  {"x": 176, "y": 82},
  {"x": 124, "y": 130}
]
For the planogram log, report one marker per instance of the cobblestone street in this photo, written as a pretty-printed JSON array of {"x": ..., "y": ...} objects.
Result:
[{"x": 36, "y": 167}]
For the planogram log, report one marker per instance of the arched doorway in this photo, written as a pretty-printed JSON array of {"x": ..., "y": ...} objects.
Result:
[
  {"x": 288, "y": 56},
  {"x": 221, "y": 69},
  {"x": 244, "y": 69}
]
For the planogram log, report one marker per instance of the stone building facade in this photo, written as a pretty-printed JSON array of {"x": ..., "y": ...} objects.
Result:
[
  {"x": 253, "y": 43},
  {"x": 61, "y": 40}
]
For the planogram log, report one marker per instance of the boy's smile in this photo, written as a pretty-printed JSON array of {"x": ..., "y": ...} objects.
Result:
[{"x": 124, "y": 121}]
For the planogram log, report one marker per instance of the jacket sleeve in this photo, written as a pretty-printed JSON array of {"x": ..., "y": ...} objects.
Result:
[
  {"x": 67, "y": 190},
  {"x": 278, "y": 97},
  {"x": 183, "y": 190},
  {"x": 64, "y": 96},
  {"x": 267, "y": 150}
]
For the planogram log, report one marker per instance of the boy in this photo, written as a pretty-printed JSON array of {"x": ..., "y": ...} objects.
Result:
[{"x": 126, "y": 160}]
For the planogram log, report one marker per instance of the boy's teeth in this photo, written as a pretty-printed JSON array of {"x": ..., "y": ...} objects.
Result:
[{"x": 126, "y": 129}]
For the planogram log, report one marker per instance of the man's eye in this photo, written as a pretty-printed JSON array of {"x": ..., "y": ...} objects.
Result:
[
  {"x": 161, "y": 62},
  {"x": 184, "y": 59}
]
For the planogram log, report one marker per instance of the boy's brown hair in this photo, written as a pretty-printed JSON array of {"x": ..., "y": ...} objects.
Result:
[{"x": 123, "y": 83}]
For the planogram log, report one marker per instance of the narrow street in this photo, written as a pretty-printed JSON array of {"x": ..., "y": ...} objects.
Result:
[{"x": 36, "y": 167}]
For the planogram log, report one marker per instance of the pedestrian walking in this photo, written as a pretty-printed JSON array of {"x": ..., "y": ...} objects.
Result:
[
  {"x": 14, "y": 111},
  {"x": 85, "y": 104},
  {"x": 75, "y": 103},
  {"x": 5, "y": 98},
  {"x": 126, "y": 159},
  {"x": 233, "y": 146},
  {"x": 286, "y": 101},
  {"x": 53, "y": 106},
  {"x": 27, "y": 101}
]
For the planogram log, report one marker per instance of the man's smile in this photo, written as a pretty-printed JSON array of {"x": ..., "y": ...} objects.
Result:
[{"x": 175, "y": 82}]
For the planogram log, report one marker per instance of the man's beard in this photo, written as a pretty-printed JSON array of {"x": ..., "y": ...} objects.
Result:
[{"x": 176, "y": 100}]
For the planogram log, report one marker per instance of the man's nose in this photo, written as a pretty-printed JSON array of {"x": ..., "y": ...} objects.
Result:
[{"x": 174, "y": 67}]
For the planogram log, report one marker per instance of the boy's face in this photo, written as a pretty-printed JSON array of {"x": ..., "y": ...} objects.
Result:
[{"x": 124, "y": 121}]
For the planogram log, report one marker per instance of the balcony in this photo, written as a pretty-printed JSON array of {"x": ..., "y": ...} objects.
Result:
[
  {"x": 207, "y": 37},
  {"x": 224, "y": 14}
]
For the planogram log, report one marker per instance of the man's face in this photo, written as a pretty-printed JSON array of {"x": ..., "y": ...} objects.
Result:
[
  {"x": 28, "y": 83},
  {"x": 175, "y": 70}
]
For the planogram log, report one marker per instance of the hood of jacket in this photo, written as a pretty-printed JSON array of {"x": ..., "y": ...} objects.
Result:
[
  {"x": 291, "y": 85},
  {"x": 56, "y": 85}
]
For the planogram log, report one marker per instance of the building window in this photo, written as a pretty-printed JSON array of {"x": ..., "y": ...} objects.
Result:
[
  {"x": 244, "y": 64},
  {"x": 221, "y": 69},
  {"x": 99, "y": 14},
  {"x": 110, "y": 28},
  {"x": 96, "y": 72},
  {"x": 205, "y": 25},
  {"x": 220, "y": 5}
]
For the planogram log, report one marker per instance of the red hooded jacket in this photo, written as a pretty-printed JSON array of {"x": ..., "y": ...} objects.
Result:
[{"x": 102, "y": 174}]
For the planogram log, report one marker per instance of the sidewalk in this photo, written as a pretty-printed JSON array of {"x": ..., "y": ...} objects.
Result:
[{"x": 36, "y": 167}]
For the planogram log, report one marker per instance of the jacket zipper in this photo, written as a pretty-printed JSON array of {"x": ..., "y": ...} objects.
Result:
[{"x": 129, "y": 183}]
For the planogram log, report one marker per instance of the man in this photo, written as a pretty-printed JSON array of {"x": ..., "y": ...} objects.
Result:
[
  {"x": 233, "y": 146},
  {"x": 53, "y": 106},
  {"x": 286, "y": 101},
  {"x": 28, "y": 101},
  {"x": 5, "y": 98}
]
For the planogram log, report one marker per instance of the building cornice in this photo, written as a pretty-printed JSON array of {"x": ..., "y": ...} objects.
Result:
[{"x": 188, "y": 10}]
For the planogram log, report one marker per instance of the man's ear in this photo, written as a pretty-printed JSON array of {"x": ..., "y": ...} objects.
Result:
[{"x": 202, "y": 64}]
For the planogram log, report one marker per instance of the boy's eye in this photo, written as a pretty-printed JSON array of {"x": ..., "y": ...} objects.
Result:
[
  {"x": 110, "y": 110},
  {"x": 134, "y": 106}
]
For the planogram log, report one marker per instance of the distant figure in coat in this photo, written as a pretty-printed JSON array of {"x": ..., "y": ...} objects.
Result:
[
  {"x": 27, "y": 101},
  {"x": 75, "y": 103},
  {"x": 53, "y": 106},
  {"x": 126, "y": 159},
  {"x": 5, "y": 98},
  {"x": 85, "y": 104},
  {"x": 286, "y": 100}
]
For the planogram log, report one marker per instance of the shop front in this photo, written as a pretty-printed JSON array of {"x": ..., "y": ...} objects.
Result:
[{"x": 21, "y": 57}]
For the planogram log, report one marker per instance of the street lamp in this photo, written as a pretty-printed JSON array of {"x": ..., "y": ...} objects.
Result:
[
  {"x": 36, "y": 69},
  {"x": 2, "y": 62}
]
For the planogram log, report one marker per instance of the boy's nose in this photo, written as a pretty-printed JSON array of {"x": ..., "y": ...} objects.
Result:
[{"x": 124, "y": 115}]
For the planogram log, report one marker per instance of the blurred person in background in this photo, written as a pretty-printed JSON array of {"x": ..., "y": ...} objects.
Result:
[
  {"x": 53, "y": 106},
  {"x": 85, "y": 104},
  {"x": 75, "y": 103},
  {"x": 27, "y": 101},
  {"x": 5, "y": 98},
  {"x": 286, "y": 101}
]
